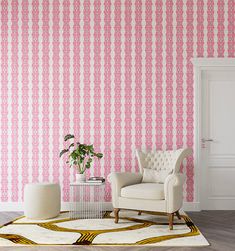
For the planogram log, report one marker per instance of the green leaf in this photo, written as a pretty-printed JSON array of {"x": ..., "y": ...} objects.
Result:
[
  {"x": 99, "y": 155},
  {"x": 68, "y": 136},
  {"x": 74, "y": 155},
  {"x": 88, "y": 165},
  {"x": 71, "y": 145},
  {"x": 63, "y": 151},
  {"x": 90, "y": 148},
  {"x": 89, "y": 160}
]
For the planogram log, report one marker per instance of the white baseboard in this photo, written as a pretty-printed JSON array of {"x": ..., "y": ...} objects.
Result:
[
  {"x": 19, "y": 206},
  {"x": 191, "y": 206},
  {"x": 11, "y": 206}
]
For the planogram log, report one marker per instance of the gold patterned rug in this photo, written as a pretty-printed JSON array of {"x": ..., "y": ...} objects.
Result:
[{"x": 132, "y": 229}]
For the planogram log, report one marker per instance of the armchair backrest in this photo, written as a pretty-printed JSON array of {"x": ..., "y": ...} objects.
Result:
[{"x": 162, "y": 160}]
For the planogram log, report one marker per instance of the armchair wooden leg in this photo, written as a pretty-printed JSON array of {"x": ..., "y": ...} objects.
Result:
[
  {"x": 171, "y": 218},
  {"x": 116, "y": 211},
  {"x": 139, "y": 213},
  {"x": 178, "y": 215}
]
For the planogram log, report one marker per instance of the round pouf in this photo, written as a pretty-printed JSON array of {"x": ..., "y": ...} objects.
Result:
[{"x": 41, "y": 200}]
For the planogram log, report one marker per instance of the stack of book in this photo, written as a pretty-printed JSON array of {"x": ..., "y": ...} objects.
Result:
[{"x": 96, "y": 180}]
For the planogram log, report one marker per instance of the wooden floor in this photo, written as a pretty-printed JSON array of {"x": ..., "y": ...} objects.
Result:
[{"x": 217, "y": 226}]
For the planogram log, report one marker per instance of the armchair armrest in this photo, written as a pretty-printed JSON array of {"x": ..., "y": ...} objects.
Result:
[
  {"x": 173, "y": 190},
  {"x": 180, "y": 155},
  {"x": 120, "y": 180}
]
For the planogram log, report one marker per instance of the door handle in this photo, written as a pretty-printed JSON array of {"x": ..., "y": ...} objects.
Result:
[{"x": 207, "y": 140}]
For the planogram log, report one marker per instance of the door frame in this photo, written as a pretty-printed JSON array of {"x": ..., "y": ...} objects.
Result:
[{"x": 202, "y": 64}]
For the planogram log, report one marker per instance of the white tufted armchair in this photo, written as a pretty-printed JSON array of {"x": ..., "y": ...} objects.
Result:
[{"x": 158, "y": 187}]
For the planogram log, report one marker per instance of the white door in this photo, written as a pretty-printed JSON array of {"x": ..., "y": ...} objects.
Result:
[{"x": 218, "y": 139}]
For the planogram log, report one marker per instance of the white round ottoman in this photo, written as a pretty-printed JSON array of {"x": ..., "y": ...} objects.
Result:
[{"x": 41, "y": 200}]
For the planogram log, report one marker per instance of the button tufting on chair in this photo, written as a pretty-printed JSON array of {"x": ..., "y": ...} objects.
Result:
[{"x": 132, "y": 191}]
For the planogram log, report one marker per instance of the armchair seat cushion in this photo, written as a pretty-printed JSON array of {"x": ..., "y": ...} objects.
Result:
[{"x": 148, "y": 191}]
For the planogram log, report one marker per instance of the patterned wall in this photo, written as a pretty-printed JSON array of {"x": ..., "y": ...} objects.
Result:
[{"x": 116, "y": 73}]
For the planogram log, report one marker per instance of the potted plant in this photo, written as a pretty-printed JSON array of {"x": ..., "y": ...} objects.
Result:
[{"x": 80, "y": 156}]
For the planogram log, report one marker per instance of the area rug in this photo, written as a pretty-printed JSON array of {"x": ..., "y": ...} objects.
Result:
[{"x": 147, "y": 229}]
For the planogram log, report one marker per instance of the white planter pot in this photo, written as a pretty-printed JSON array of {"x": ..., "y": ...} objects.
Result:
[{"x": 80, "y": 177}]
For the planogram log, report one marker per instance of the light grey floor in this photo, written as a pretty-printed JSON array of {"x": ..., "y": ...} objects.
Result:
[{"x": 217, "y": 226}]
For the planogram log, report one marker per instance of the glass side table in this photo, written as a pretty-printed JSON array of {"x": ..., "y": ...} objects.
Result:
[{"x": 86, "y": 200}]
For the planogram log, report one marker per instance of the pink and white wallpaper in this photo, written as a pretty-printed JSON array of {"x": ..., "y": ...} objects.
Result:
[{"x": 116, "y": 73}]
